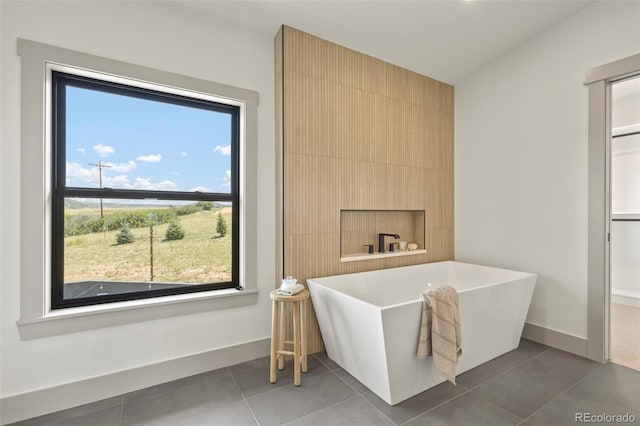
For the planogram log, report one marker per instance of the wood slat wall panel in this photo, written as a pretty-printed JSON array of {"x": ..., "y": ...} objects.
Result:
[
  {"x": 310, "y": 194},
  {"x": 357, "y": 134},
  {"x": 361, "y": 193}
]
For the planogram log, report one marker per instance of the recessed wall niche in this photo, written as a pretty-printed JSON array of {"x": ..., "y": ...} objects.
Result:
[{"x": 361, "y": 228}]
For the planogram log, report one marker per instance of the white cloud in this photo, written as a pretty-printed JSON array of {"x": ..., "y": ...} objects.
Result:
[
  {"x": 144, "y": 183},
  {"x": 165, "y": 185},
  {"x": 184, "y": 154},
  {"x": 122, "y": 167},
  {"x": 200, "y": 189},
  {"x": 104, "y": 150},
  {"x": 76, "y": 171},
  {"x": 224, "y": 150},
  {"x": 120, "y": 181},
  {"x": 153, "y": 158},
  {"x": 227, "y": 179},
  {"x": 81, "y": 150}
]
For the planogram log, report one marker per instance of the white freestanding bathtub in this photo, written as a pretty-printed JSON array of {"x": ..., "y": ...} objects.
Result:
[{"x": 370, "y": 321}]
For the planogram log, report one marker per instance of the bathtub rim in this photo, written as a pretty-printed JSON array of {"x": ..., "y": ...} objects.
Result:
[{"x": 524, "y": 275}]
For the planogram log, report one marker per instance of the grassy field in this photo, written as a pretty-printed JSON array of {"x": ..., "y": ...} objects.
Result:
[{"x": 202, "y": 256}]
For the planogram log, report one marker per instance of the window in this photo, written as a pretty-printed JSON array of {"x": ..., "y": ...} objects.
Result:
[
  {"x": 38, "y": 316},
  {"x": 145, "y": 192}
]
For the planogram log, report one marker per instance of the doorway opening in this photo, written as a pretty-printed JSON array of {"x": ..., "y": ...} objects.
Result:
[
  {"x": 624, "y": 223},
  {"x": 599, "y": 82}
]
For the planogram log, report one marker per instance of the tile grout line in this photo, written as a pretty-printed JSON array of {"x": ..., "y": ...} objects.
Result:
[
  {"x": 244, "y": 398},
  {"x": 509, "y": 369},
  {"x": 562, "y": 393},
  {"x": 357, "y": 394},
  {"x": 439, "y": 405},
  {"x": 291, "y": 385},
  {"x": 319, "y": 409},
  {"x": 325, "y": 365},
  {"x": 361, "y": 394},
  {"x": 275, "y": 388},
  {"x": 121, "y": 410},
  {"x": 377, "y": 409},
  {"x": 344, "y": 381},
  {"x": 285, "y": 386}
]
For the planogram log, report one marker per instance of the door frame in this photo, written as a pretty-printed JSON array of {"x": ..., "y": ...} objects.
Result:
[{"x": 598, "y": 81}]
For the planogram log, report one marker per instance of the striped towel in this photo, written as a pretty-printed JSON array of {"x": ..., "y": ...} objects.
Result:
[{"x": 440, "y": 330}]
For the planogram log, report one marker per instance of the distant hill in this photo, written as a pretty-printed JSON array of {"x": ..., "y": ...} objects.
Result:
[{"x": 75, "y": 204}]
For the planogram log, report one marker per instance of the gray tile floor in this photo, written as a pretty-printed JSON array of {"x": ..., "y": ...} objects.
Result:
[{"x": 532, "y": 385}]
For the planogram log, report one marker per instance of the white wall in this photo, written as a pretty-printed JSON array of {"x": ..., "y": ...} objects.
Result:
[
  {"x": 165, "y": 37},
  {"x": 521, "y": 158}
]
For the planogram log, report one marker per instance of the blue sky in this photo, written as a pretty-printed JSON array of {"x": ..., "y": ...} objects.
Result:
[{"x": 147, "y": 144}]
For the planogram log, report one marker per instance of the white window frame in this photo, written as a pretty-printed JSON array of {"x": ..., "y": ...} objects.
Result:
[{"x": 36, "y": 317}]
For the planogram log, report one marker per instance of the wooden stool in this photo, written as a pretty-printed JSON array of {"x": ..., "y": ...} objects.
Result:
[{"x": 278, "y": 331}]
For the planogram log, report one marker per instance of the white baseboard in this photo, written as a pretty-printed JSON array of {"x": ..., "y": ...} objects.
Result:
[
  {"x": 556, "y": 339},
  {"x": 48, "y": 400},
  {"x": 625, "y": 300}
]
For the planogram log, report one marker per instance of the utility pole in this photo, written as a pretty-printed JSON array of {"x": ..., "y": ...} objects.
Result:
[
  {"x": 151, "y": 254},
  {"x": 100, "y": 166},
  {"x": 152, "y": 220}
]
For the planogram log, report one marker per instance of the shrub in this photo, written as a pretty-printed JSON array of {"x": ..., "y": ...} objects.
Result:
[
  {"x": 84, "y": 224},
  {"x": 174, "y": 232},
  {"x": 125, "y": 236},
  {"x": 221, "y": 226},
  {"x": 205, "y": 205},
  {"x": 187, "y": 209}
]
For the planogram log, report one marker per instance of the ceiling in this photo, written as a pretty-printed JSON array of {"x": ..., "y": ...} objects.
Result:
[{"x": 446, "y": 40}]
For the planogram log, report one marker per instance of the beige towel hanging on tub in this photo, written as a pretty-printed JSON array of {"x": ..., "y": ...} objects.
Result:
[{"x": 440, "y": 330}]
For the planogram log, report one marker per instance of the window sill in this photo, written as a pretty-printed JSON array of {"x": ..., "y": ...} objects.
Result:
[{"x": 85, "y": 318}]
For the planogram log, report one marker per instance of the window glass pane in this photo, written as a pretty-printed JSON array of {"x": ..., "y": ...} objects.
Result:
[
  {"x": 123, "y": 142},
  {"x": 144, "y": 245}
]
